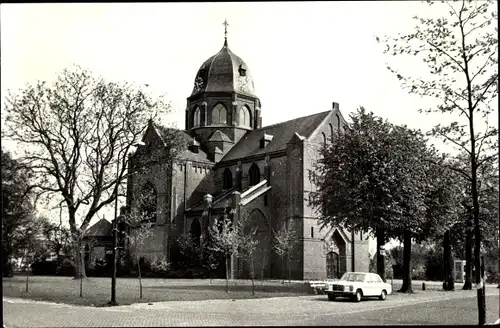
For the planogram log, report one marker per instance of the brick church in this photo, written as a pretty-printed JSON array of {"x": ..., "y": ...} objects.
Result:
[{"x": 235, "y": 165}]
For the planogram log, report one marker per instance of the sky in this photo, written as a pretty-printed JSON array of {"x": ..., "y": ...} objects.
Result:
[{"x": 303, "y": 56}]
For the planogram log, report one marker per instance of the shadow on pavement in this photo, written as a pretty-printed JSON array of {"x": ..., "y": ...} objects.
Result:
[
  {"x": 299, "y": 289},
  {"x": 339, "y": 300}
]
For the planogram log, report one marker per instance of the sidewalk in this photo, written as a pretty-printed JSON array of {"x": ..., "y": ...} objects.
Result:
[{"x": 301, "y": 310}]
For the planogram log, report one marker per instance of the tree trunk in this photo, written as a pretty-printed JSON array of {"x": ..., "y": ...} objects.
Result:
[
  {"x": 210, "y": 269},
  {"x": 380, "y": 234},
  {"x": 76, "y": 234},
  {"x": 81, "y": 286},
  {"x": 139, "y": 276},
  {"x": 407, "y": 287},
  {"x": 27, "y": 278},
  {"x": 83, "y": 274},
  {"x": 283, "y": 270},
  {"x": 289, "y": 270},
  {"x": 475, "y": 199},
  {"x": 79, "y": 260},
  {"x": 262, "y": 270},
  {"x": 253, "y": 274},
  {"x": 468, "y": 256},
  {"x": 227, "y": 274},
  {"x": 449, "y": 281}
]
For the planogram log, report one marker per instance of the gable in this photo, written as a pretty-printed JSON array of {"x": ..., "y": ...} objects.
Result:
[
  {"x": 342, "y": 233},
  {"x": 327, "y": 127},
  {"x": 158, "y": 136}
]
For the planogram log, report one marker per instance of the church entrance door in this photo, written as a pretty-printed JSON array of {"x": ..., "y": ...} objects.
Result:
[{"x": 332, "y": 265}]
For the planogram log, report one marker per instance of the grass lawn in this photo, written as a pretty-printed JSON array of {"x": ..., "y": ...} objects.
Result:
[{"x": 97, "y": 291}]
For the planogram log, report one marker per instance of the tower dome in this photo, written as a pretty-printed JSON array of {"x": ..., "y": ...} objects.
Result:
[
  {"x": 224, "y": 72},
  {"x": 222, "y": 106}
]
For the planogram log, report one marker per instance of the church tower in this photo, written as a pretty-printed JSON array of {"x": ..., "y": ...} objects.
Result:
[{"x": 223, "y": 105}]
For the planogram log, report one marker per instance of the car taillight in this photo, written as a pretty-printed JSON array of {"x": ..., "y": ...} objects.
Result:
[{"x": 351, "y": 288}]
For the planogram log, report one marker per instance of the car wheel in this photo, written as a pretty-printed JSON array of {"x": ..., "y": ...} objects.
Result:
[
  {"x": 331, "y": 297},
  {"x": 358, "y": 296},
  {"x": 383, "y": 295}
]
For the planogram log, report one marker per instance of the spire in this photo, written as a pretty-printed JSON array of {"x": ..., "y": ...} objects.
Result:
[{"x": 225, "y": 32}]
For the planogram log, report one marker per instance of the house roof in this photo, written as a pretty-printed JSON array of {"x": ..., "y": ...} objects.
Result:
[
  {"x": 168, "y": 134},
  {"x": 249, "y": 144},
  {"x": 101, "y": 229},
  {"x": 222, "y": 72}
]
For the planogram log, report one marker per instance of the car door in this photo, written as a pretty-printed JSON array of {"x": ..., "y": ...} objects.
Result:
[
  {"x": 378, "y": 284},
  {"x": 367, "y": 285}
]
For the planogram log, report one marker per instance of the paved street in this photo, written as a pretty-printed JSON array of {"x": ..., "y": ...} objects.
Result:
[{"x": 430, "y": 307}]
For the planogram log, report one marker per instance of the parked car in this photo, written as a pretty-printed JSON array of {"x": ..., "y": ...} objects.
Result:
[{"x": 357, "y": 285}]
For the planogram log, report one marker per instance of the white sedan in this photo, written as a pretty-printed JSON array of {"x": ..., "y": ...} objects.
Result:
[{"x": 357, "y": 285}]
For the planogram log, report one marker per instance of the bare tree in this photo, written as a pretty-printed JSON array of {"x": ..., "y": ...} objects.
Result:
[
  {"x": 285, "y": 241},
  {"x": 141, "y": 224},
  {"x": 247, "y": 244},
  {"x": 225, "y": 239},
  {"x": 76, "y": 136}
]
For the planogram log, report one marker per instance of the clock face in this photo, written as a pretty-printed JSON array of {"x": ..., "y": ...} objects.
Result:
[
  {"x": 198, "y": 84},
  {"x": 244, "y": 84}
]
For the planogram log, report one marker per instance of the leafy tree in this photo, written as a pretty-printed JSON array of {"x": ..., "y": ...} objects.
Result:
[
  {"x": 460, "y": 51},
  {"x": 461, "y": 232},
  {"x": 17, "y": 209},
  {"x": 443, "y": 210},
  {"x": 76, "y": 136},
  {"x": 372, "y": 178},
  {"x": 411, "y": 151},
  {"x": 351, "y": 167},
  {"x": 285, "y": 241},
  {"x": 197, "y": 254},
  {"x": 190, "y": 249}
]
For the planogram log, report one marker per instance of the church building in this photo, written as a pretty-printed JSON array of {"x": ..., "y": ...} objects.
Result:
[{"x": 234, "y": 165}]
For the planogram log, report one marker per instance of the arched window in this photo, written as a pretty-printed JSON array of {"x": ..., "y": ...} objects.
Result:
[
  {"x": 338, "y": 122},
  {"x": 227, "y": 179},
  {"x": 195, "y": 230},
  {"x": 253, "y": 175},
  {"x": 197, "y": 115},
  {"x": 245, "y": 117},
  {"x": 147, "y": 203},
  {"x": 219, "y": 114},
  {"x": 324, "y": 139},
  {"x": 331, "y": 131}
]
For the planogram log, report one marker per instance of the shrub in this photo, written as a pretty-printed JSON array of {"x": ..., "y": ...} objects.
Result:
[
  {"x": 125, "y": 266},
  {"x": 434, "y": 265},
  {"x": 44, "y": 268},
  {"x": 160, "y": 267},
  {"x": 7, "y": 269}
]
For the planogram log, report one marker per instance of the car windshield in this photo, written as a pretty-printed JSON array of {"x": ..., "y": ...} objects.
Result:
[{"x": 353, "y": 277}]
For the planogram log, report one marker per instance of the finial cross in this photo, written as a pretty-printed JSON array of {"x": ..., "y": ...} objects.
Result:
[{"x": 225, "y": 27}]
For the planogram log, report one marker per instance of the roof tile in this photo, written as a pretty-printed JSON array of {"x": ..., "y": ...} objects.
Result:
[{"x": 282, "y": 132}]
